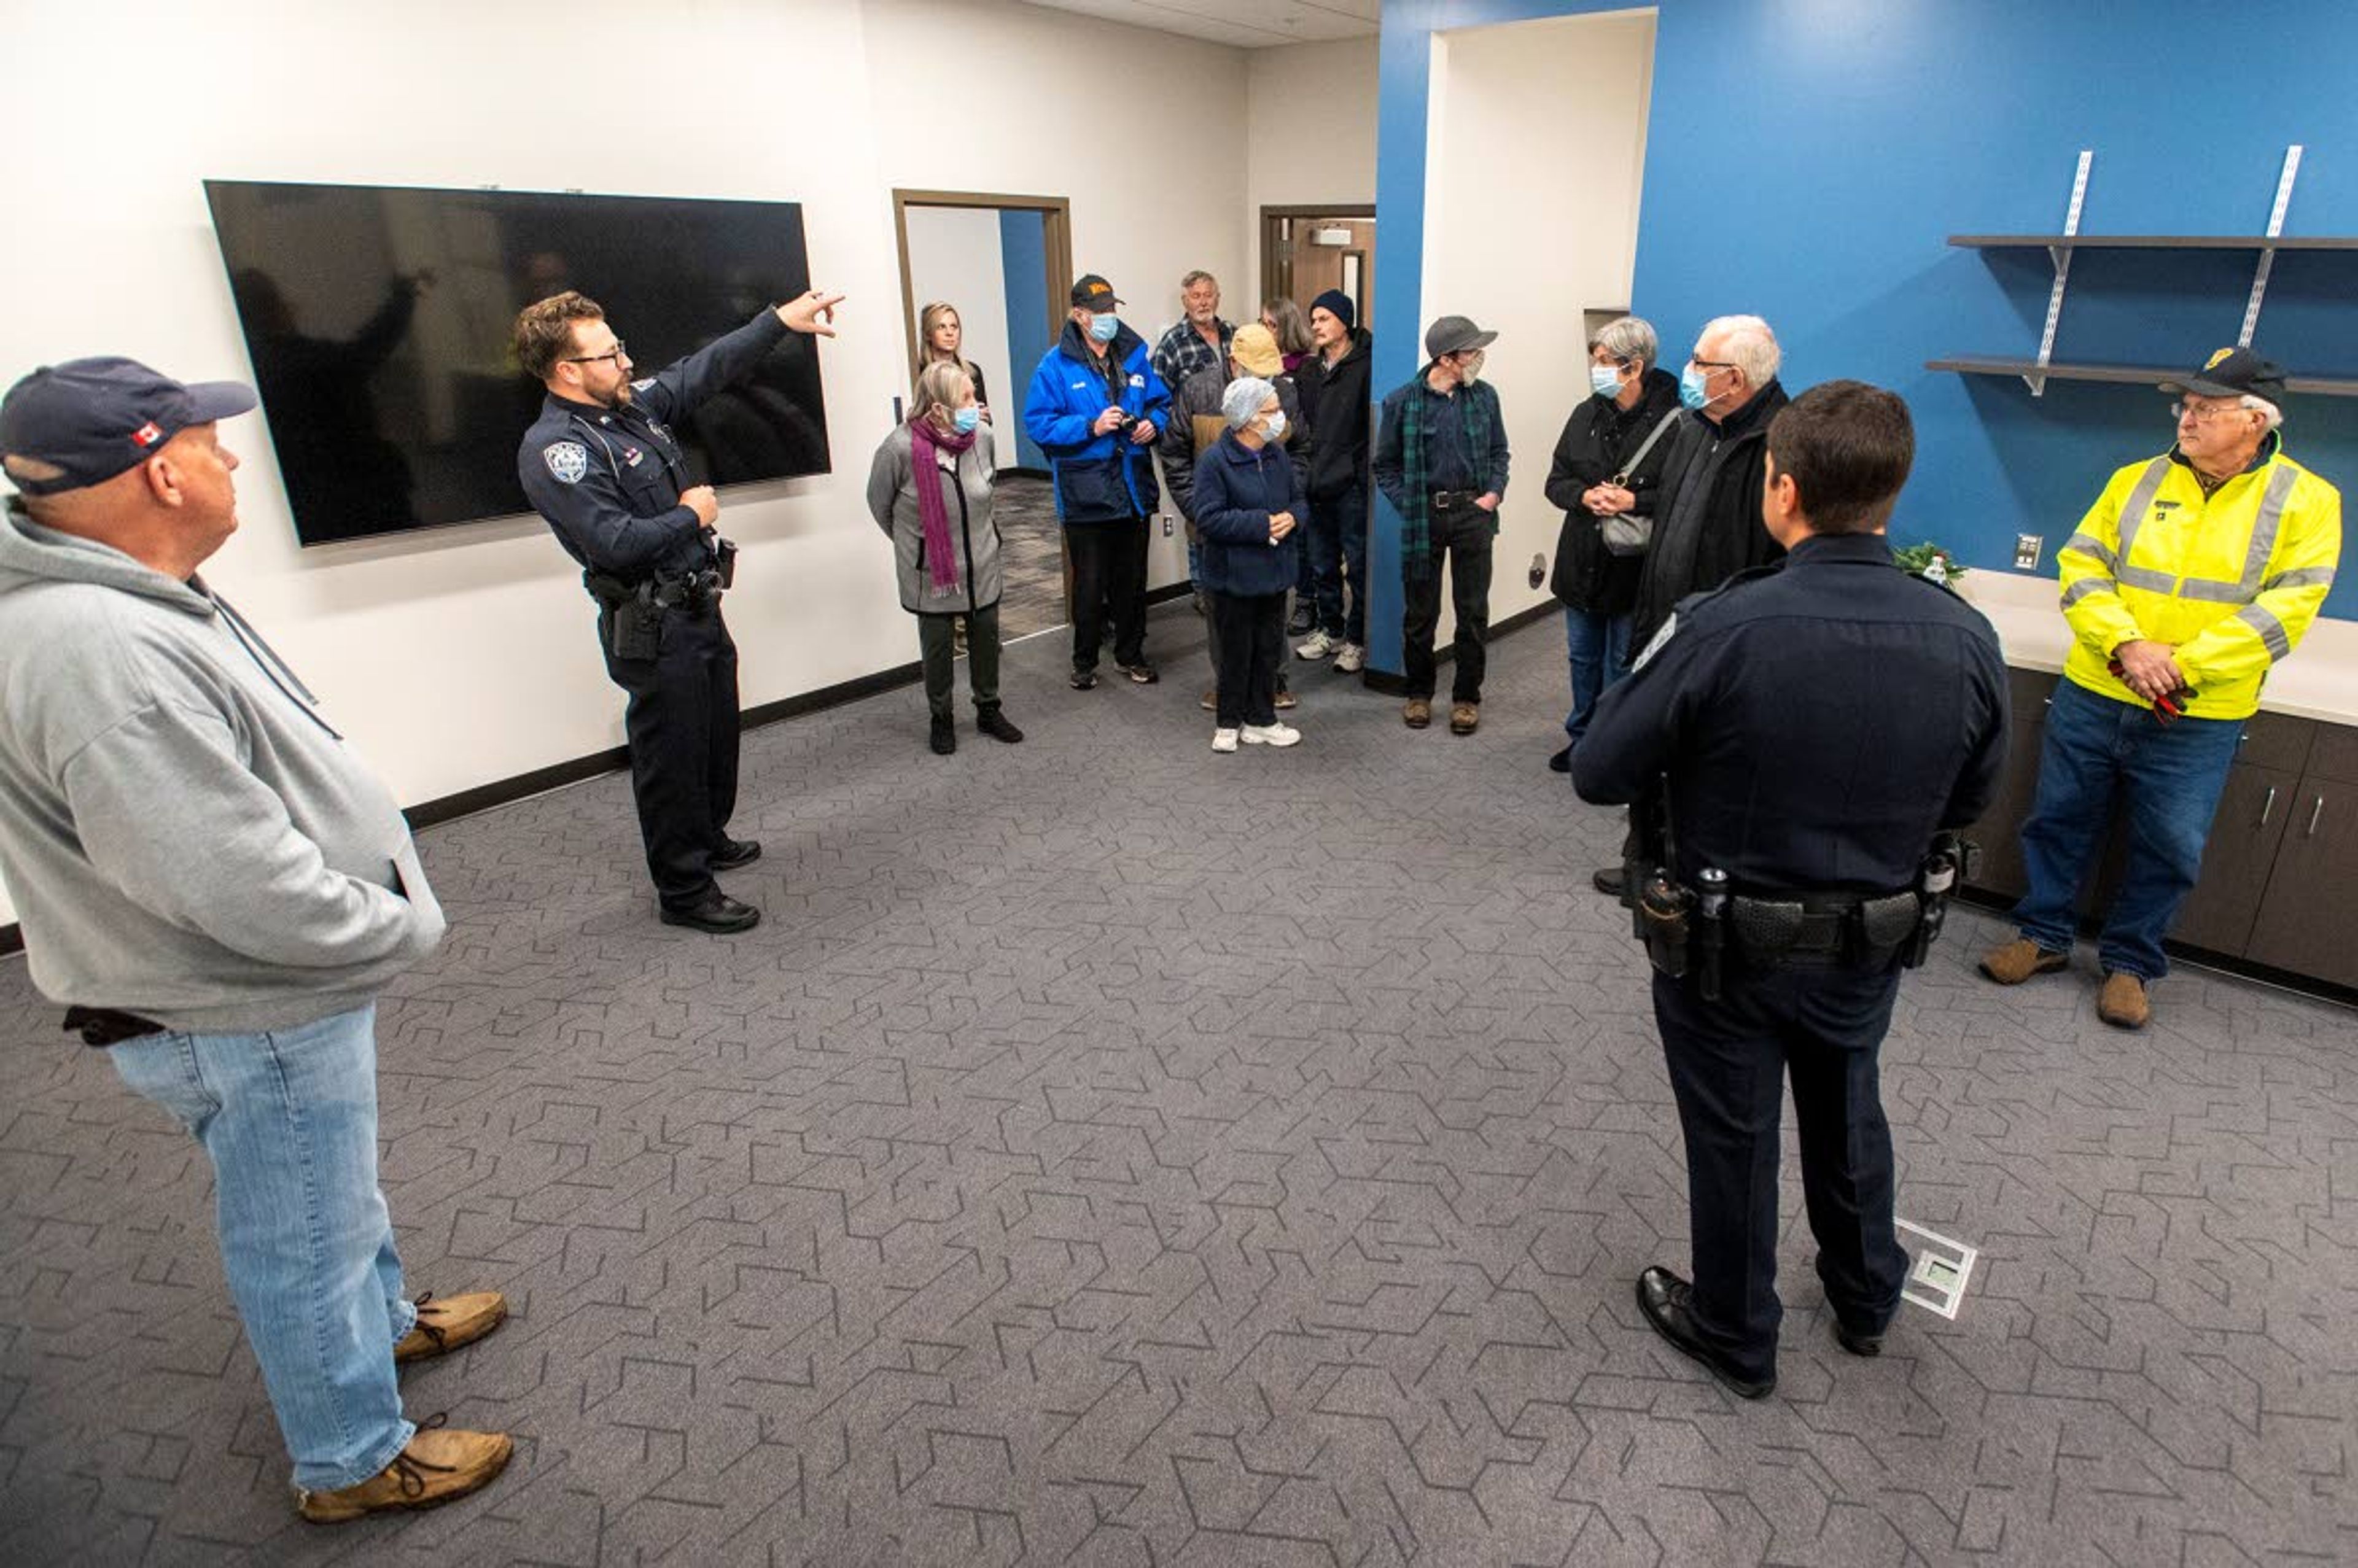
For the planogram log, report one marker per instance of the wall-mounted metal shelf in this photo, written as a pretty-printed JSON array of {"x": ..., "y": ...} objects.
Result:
[
  {"x": 2124, "y": 375},
  {"x": 2037, "y": 370},
  {"x": 2153, "y": 243}
]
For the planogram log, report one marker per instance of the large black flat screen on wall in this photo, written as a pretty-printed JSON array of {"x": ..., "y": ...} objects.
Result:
[{"x": 378, "y": 320}]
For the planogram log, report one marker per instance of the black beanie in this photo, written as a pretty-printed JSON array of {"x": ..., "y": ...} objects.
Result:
[{"x": 1339, "y": 304}]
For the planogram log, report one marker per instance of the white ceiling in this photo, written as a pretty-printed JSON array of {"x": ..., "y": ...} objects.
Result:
[{"x": 1244, "y": 24}]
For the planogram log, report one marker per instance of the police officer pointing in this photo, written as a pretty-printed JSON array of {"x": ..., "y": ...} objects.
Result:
[
  {"x": 600, "y": 465},
  {"x": 1797, "y": 744}
]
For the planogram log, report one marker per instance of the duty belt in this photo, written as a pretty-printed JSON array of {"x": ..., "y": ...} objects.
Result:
[{"x": 1824, "y": 928}]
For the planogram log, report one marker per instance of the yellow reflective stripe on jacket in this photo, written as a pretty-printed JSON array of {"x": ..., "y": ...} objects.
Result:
[{"x": 2149, "y": 561}]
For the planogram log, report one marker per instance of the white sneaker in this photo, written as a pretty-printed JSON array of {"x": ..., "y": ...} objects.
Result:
[
  {"x": 1271, "y": 735},
  {"x": 1350, "y": 657},
  {"x": 1224, "y": 740},
  {"x": 1318, "y": 647}
]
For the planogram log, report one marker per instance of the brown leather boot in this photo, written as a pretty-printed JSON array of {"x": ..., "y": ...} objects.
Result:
[
  {"x": 1464, "y": 717},
  {"x": 445, "y": 1325},
  {"x": 2011, "y": 963},
  {"x": 1417, "y": 713},
  {"x": 2123, "y": 1003},
  {"x": 439, "y": 1466}
]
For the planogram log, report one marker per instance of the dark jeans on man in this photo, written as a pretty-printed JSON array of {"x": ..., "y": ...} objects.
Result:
[
  {"x": 1728, "y": 1064},
  {"x": 1108, "y": 575},
  {"x": 1461, "y": 535},
  {"x": 2168, "y": 777},
  {"x": 682, "y": 726},
  {"x": 1336, "y": 542},
  {"x": 937, "y": 644},
  {"x": 1252, "y": 631}
]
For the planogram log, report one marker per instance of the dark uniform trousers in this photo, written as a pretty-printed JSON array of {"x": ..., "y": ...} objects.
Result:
[
  {"x": 1108, "y": 573},
  {"x": 1461, "y": 535},
  {"x": 682, "y": 725},
  {"x": 1728, "y": 1061}
]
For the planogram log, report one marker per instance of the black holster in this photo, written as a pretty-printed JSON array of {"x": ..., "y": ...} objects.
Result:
[
  {"x": 630, "y": 617},
  {"x": 1663, "y": 919}
]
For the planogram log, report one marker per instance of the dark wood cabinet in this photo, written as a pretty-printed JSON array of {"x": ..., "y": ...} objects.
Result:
[
  {"x": 2281, "y": 859},
  {"x": 2304, "y": 923}
]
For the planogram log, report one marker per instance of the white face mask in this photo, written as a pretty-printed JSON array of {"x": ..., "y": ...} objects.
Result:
[{"x": 1275, "y": 430}]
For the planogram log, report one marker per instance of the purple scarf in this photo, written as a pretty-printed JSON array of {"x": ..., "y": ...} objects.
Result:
[{"x": 941, "y": 556}]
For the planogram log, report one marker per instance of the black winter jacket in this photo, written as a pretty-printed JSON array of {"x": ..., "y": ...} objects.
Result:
[
  {"x": 1707, "y": 523},
  {"x": 1336, "y": 404},
  {"x": 1597, "y": 441}
]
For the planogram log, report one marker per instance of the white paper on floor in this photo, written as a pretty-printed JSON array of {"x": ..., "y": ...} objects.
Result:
[{"x": 1937, "y": 1279}]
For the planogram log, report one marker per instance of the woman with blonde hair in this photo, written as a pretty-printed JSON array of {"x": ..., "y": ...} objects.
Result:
[
  {"x": 941, "y": 339},
  {"x": 929, "y": 490}
]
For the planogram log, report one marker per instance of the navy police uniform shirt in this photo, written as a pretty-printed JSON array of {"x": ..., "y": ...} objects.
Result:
[
  {"x": 1820, "y": 719},
  {"x": 608, "y": 481}
]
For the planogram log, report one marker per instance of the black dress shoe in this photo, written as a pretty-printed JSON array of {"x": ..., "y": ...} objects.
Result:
[
  {"x": 1663, "y": 1301},
  {"x": 1612, "y": 881},
  {"x": 718, "y": 913},
  {"x": 736, "y": 852},
  {"x": 1855, "y": 1342},
  {"x": 994, "y": 723},
  {"x": 945, "y": 737},
  {"x": 1561, "y": 763}
]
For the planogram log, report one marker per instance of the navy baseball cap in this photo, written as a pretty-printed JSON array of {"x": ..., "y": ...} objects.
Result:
[
  {"x": 2232, "y": 372},
  {"x": 70, "y": 425}
]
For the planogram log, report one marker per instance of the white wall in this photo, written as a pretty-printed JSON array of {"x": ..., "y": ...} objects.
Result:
[
  {"x": 955, "y": 255},
  {"x": 1011, "y": 106},
  {"x": 464, "y": 656},
  {"x": 1312, "y": 114},
  {"x": 1537, "y": 131}
]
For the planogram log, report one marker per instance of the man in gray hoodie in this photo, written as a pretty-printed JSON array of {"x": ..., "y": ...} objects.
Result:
[{"x": 217, "y": 887}]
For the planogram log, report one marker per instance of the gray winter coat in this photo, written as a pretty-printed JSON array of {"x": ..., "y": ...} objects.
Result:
[{"x": 892, "y": 501}]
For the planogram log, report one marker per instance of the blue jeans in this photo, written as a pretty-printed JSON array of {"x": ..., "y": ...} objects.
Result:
[
  {"x": 1338, "y": 560},
  {"x": 1599, "y": 647},
  {"x": 2169, "y": 778},
  {"x": 288, "y": 1119}
]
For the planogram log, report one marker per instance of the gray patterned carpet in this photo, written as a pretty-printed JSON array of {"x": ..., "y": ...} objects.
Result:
[
  {"x": 1031, "y": 556},
  {"x": 1107, "y": 1152}
]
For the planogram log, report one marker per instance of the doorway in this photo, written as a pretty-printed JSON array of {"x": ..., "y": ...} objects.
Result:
[
  {"x": 1005, "y": 264},
  {"x": 1305, "y": 251}
]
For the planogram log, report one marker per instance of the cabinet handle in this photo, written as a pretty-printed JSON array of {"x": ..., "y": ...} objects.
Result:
[
  {"x": 2314, "y": 813},
  {"x": 2268, "y": 806}
]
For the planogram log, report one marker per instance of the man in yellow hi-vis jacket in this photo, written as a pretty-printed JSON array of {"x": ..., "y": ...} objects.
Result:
[{"x": 2192, "y": 576}]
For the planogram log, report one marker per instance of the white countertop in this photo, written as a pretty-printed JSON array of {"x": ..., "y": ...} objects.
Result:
[{"x": 2319, "y": 681}]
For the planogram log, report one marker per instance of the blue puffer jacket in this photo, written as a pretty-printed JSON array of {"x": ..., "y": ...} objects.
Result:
[
  {"x": 1098, "y": 478},
  {"x": 1237, "y": 490}
]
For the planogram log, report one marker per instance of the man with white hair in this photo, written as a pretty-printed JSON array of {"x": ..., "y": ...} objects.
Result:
[
  {"x": 1707, "y": 513},
  {"x": 2194, "y": 574}
]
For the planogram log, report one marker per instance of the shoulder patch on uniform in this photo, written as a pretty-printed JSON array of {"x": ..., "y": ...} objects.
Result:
[
  {"x": 643, "y": 385},
  {"x": 1654, "y": 643},
  {"x": 1138, "y": 380},
  {"x": 568, "y": 460}
]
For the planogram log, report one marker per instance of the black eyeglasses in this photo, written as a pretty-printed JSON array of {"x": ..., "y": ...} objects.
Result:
[
  {"x": 614, "y": 354},
  {"x": 1713, "y": 364}
]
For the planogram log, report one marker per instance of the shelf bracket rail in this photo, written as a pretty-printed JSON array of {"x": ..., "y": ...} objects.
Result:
[
  {"x": 2268, "y": 253},
  {"x": 2061, "y": 257}
]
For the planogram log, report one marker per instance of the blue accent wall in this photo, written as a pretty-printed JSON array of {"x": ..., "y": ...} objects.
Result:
[
  {"x": 1023, "y": 256},
  {"x": 1807, "y": 159}
]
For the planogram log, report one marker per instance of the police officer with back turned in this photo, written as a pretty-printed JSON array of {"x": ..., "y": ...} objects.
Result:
[
  {"x": 602, "y": 466},
  {"x": 1799, "y": 744}
]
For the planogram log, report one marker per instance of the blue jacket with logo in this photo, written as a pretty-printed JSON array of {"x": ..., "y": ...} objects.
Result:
[
  {"x": 1237, "y": 491},
  {"x": 1097, "y": 478}
]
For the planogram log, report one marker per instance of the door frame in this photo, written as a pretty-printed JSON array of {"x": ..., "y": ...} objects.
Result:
[
  {"x": 1057, "y": 213},
  {"x": 1269, "y": 220}
]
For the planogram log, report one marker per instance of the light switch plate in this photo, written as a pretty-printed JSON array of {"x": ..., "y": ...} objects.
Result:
[{"x": 2026, "y": 552}]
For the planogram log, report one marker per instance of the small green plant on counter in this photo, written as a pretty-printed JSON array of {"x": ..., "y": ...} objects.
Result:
[{"x": 1928, "y": 559}]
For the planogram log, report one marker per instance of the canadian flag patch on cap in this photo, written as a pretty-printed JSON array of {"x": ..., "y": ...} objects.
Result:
[{"x": 148, "y": 434}]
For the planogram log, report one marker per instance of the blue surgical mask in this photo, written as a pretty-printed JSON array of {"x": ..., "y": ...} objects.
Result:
[
  {"x": 1606, "y": 379},
  {"x": 964, "y": 420},
  {"x": 1277, "y": 426},
  {"x": 1691, "y": 388},
  {"x": 1103, "y": 328}
]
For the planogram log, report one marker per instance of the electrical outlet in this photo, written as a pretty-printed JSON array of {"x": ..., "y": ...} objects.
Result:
[
  {"x": 2026, "y": 552},
  {"x": 1169, "y": 527}
]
